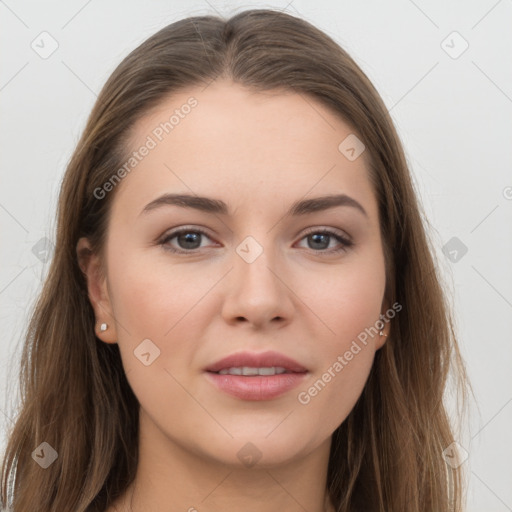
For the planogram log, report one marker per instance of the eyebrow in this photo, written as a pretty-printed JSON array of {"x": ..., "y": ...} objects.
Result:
[{"x": 217, "y": 206}]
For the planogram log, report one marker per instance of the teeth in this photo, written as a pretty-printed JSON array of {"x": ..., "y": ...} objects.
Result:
[{"x": 248, "y": 371}]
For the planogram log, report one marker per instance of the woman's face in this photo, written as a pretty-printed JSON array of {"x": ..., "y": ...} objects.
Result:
[{"x": 248, "y": 264}]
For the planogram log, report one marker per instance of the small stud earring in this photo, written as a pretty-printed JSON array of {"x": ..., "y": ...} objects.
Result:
[
  {"x": 103, "y": 327},
  {"x": 382, "y": 334}
]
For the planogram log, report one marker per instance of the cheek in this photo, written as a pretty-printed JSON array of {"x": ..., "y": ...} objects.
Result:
[
  {"x": 334, "y": 391},
  {"x": 150, "y": 298},
  {"x": 155, "y": 302},
  {"x": 152, "y": 302},
  {"x": 346, "y": 300}
]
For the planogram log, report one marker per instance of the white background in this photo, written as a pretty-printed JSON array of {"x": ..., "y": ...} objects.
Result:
[{"x": 454, "y": 116}]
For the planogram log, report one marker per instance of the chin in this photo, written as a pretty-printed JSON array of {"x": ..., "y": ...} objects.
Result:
[{"x": 261, "y": 450}]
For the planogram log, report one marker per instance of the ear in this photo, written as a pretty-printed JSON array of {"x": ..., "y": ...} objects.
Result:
[{"x": 92, "y": 269}]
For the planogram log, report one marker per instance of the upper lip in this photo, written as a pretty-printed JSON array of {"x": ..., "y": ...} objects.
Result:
[{"x": 256, "y": 360}]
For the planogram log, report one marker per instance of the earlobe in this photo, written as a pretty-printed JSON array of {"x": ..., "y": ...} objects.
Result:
[
  {"x": 106, "y": 332},
  {"x": 97, "y": 289},
  {"x": 382, "y": 336}
]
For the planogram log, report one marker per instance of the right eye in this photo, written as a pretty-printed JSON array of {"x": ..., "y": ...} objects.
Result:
[{"x": 188, "y": 240}]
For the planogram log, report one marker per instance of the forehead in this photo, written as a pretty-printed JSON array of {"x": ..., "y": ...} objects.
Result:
[{"x": 247, "y": 147}]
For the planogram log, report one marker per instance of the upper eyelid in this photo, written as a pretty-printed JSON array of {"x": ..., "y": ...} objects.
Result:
[
  {"x": 185, "y": 229},
  {"x": 335, "y": 231}
]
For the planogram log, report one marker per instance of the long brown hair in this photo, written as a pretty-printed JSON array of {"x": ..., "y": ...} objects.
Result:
[{"x": 387, "y": 455}]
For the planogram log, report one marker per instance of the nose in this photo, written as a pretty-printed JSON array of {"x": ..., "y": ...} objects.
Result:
[{"x": 258, "y": 293}]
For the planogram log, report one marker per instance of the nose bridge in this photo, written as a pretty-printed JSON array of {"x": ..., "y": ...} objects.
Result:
[
  {"x": 256, "y": 291},
  {"x": 253, "y": 266}
]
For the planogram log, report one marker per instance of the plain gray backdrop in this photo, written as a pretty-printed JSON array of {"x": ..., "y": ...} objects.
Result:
[{"x": 443, "y": 70}]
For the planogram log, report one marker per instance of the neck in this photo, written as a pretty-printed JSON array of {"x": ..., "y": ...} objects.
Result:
[{"x": 171, "y": 475}]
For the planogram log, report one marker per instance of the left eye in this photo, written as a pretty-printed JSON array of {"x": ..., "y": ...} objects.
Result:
[
  {"x": 321, "y": 240},
  {"x": 190, "y": 239}
]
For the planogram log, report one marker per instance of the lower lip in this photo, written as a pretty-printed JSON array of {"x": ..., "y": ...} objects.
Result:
[{"x": 261, "y": 387}]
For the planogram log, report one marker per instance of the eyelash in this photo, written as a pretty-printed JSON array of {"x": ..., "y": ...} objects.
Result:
[{"x": 346, "y": 244}]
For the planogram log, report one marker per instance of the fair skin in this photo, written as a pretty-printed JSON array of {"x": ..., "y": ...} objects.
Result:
[{"x": 259, "y": 153}]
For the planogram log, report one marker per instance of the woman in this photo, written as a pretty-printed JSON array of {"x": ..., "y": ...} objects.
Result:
[{"x": 243, "y": 311}]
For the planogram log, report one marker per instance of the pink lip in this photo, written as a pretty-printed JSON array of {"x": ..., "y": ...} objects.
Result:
[
  {"x": 261, "y": 387},
  {"x": 256, "y": 387}
]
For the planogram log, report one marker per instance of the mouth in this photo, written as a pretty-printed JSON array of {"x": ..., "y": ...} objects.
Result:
[
  {"x": 248, "y": 371},
  {"x": 252, "y": 376},
  {"x": 252, "y": 364}
]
